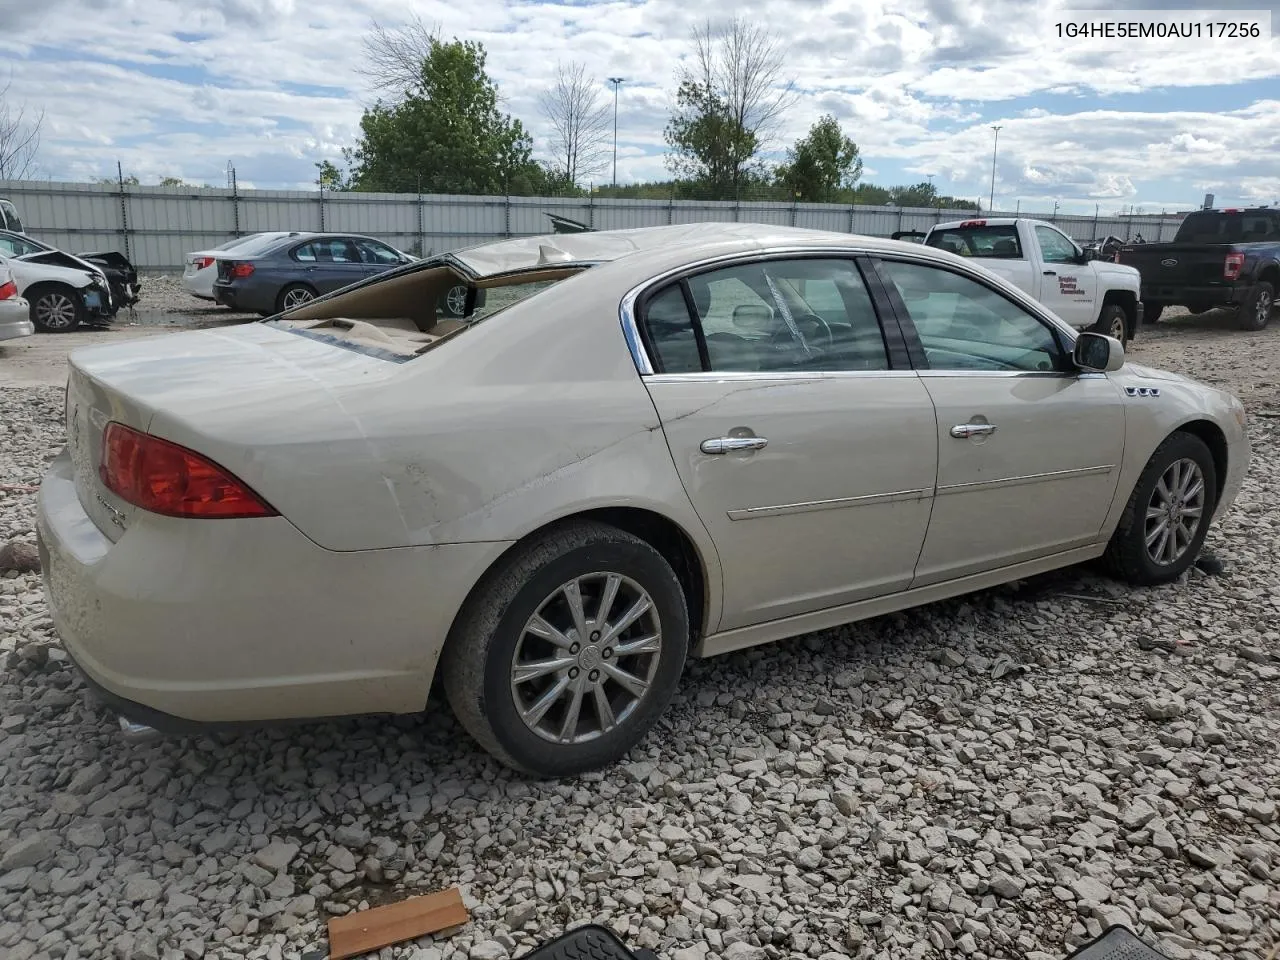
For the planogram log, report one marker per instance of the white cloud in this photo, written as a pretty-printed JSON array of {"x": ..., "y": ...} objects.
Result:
[{"x": 911, "y": 82}]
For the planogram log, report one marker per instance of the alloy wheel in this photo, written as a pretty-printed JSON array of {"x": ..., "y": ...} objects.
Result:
[
  {"x": 1117, "y": 328},
  {"x": 1262, "y": 309},
  {"x": 1175, "y": 512},
  {"x": 457, "y": 300},
  {"x": 586, "y": 659},
  {"x": 56, "y": 311},
  {"x": 297, "y": 297}
]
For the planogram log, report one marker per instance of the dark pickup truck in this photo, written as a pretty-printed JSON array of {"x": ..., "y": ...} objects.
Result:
[{"x": 1218, "y": 258}]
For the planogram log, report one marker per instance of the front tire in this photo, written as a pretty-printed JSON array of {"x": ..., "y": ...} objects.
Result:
[
  {"x": 1167, "y": 517},
  {"x": 57, "y": 310},
  {"x": 1259, "y": 302},
  {"x": 569, "y": 651},
  {"x": 1114, "y": 322}
]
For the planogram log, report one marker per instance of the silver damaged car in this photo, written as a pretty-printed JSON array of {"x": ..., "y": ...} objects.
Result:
[{"x": 646, "y": 445}]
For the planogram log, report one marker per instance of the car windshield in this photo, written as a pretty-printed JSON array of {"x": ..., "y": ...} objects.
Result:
[
  {"x": 1246, "y": 226},
  {"x": 15, "y": 246}
]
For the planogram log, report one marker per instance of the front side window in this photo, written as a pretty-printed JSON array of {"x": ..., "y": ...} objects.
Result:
[
  {"x": 1054, "y": 247},
  {"x": 769, "y": 316},
  {"x": 371, "y": 251},
  {"x": 965, "y": 325}
]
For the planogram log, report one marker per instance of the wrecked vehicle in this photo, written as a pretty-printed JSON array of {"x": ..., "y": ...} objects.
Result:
[
  {"x": 554, "y": 500},
  {"x": 64, "y": 290}
]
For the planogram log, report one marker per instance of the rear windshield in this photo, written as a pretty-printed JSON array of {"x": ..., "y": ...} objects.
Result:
[
  {"x": 255, "y": 245},
  {"x": 1244, "y": 227},
  {"x": 999, "y": 243}
]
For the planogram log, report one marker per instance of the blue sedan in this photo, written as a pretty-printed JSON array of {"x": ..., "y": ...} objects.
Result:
[{"x": 301, "y": 267}]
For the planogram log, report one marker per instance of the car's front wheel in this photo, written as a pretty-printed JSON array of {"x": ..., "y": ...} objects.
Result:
[
  {"x": 1113, "y": 322},
  {"x": 57, "y": 310},
  {"x": 1167, "y": 517},
  {"x": 567, "y": 654}
]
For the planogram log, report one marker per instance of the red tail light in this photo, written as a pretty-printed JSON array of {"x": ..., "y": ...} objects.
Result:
[
  {"x": 165, "y": 478},
  {"x": 242, "y": 270},
  {"x": 8, "y": 290},
  {"x": 972, "y": 223},
  {"x": 1232, "y": 266},
  {"x": 203, "y": 262}
]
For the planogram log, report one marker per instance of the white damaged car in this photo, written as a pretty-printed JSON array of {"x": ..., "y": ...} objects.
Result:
[{"x": 63, "y": 290}]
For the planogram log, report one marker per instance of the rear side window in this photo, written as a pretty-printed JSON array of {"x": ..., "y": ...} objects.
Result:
[
  {"x": 996, "y": 243},
  {"x": 1246, "y": 226},
  {"x": 9, "y": 219},
  {"x": 769, "y": 316}
]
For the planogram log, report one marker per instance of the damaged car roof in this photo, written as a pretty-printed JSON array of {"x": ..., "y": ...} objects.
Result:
[{"x": 527, "y": 253}]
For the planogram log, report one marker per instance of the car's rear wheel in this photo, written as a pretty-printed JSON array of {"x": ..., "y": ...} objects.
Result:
[
  {"x": 1255, "y": 310},
  {"x": 1167, "y": 517},
  {"x": 294, "y": 295},
  {"x": 454, "y": 301},
  {"x": 565, "y": 656},
  {"x": 57, "y": 309},
  {"x": 1114, "y": 322}
]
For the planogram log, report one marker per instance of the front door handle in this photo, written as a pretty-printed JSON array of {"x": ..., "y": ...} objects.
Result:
[
  {"x": 719, "y": 445},
  {"x": 1051, "y": 273},
  {"x": 963, "y": 431}
]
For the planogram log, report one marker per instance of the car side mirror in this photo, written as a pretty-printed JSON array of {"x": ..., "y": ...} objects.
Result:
[{"x": 1098, "y": 353}]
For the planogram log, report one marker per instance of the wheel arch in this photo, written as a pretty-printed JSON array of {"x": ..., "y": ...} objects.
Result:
[
  {"x": 662, "y": 533},
  {"x": 1271, "y": 274},
  {"x": 1213, "y": 438},
  {"x": 1127, "y": 300}
]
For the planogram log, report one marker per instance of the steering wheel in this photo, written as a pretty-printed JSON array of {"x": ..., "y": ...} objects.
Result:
[{"x": 786, "y": 338}]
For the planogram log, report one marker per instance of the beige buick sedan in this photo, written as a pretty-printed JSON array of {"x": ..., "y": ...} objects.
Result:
[{"x": 646, "y": 445}]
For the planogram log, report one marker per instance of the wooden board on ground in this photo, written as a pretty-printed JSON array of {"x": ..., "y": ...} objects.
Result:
[{"x": 373, "y": 929}]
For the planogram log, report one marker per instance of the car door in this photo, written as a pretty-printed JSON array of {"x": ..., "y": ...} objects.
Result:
[
  {"x": 1029, "y": 448},
  {"x": 1069, "y": 288},
  {"x": 808, "y": 455}
]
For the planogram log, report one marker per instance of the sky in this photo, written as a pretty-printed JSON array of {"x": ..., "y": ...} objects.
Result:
[{"x": 272, "y": 86}]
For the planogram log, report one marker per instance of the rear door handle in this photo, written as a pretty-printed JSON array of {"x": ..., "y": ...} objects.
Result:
[
  {"x": 963, "y": 431},
  {"x": 720, "y": 445},
  {"x": 1051, "y": 273}
]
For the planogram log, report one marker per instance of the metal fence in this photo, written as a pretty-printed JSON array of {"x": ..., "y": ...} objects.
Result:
[{"x": 157, "y": 226}]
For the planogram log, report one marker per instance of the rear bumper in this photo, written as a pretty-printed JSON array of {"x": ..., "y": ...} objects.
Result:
[
  {"x": 15, "y": 319},
  {"x": 1218, "y": 294},
  {"x": 200, "y": 284},
  {"x": 182, "y": 622}
]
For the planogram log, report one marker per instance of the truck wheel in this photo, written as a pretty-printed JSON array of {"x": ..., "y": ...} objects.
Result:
[
  {"x": 1114, "y": 322},
  {"x": 1255, "y": 310},
  {"x": 1199, "y": 307},
  {"x": 1151, "y": 312}
]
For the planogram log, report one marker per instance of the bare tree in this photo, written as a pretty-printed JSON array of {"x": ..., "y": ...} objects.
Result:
[
  {"x": 580, "y": 121},
  {"x": 394, "y": 56},
  {"x": 743, "y": 63},
  {"x": 19, "y": 139},
  {"x": 733, "y": 95}
]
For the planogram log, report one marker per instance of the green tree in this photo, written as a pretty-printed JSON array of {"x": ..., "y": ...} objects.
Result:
[
  {"x": 172, "y": 182},
  {"x": 920, "y": 194},
  {"x": 328, "y": 176},
  {"x": 729, "y": 102},
  {"x": 821, "y": 163},
  {"x": 446, "y": 135},
  {"x": 129, "y": 181}
]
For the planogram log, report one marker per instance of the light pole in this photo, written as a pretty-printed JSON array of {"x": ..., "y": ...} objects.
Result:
[
  {"x": 992, "y": 199},
  {"x": 617, "y": 82}
]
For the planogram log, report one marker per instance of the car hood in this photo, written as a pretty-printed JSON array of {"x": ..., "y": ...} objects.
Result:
[
  {"x": 1154, "y": 373},
  {"x": 57, "y": 260}
]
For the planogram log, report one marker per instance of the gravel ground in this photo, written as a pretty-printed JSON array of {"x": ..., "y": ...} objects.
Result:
[{"x": 998, "y": 776}]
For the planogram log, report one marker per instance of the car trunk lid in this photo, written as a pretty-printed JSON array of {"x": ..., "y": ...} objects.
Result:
[{"x": 199, "y": 389}]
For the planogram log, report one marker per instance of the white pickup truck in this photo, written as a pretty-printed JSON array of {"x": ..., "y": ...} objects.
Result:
[{"x": 1046, "y": 264}]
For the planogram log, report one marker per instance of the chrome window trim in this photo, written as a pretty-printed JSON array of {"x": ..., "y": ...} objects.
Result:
[
  {"x": 629, "y": 321},
  {"x": 712, "y": 376}
]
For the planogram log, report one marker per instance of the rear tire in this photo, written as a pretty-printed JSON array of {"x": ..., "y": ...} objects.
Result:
[
  {"x": 294, "y": 295},
  {"x": 1151, "y": 312},
  {"x": 1256, "y": 309},
  {"x": 1138, "y": 551},
  {"x": 1199, "y": 307},
  {"x": 1114, "y": 322},
  {"x": 503, "y": 627},
  {"x": 57, "y": 309},
  {"x": 454, "y": 301}
]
